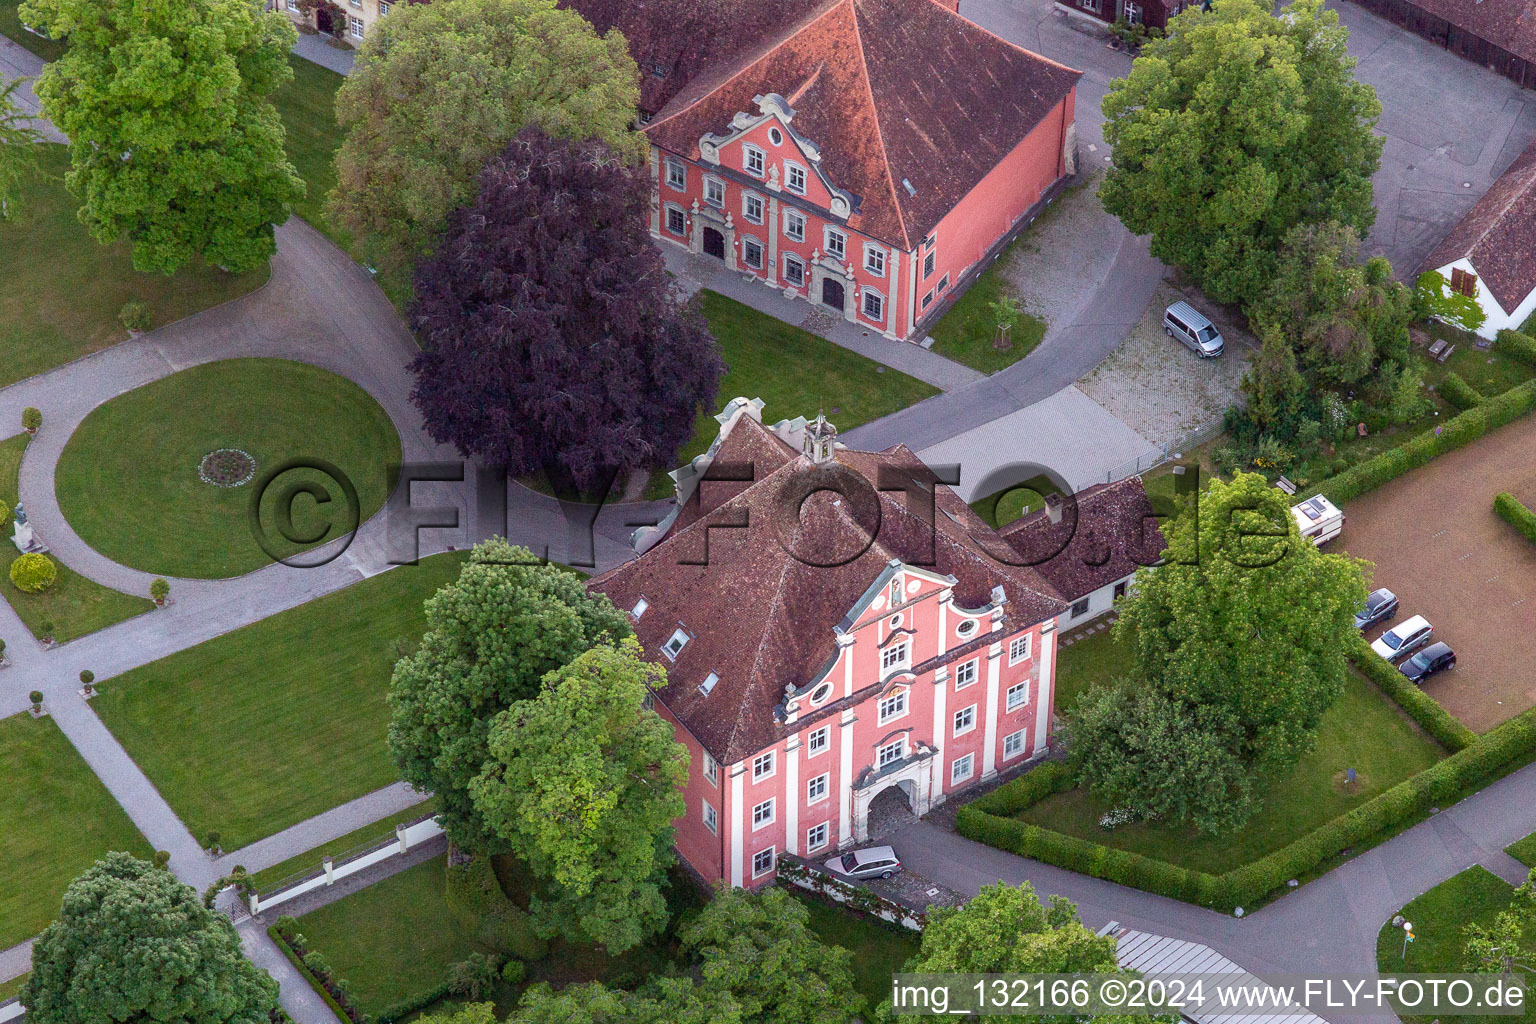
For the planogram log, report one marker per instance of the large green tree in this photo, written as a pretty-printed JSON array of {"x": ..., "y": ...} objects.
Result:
[
  {"x": 491, "y": 636},
  {"x": 1247, "y": 620},
  {"x": 1003, "y": 929},
  {"x": 1234, "y": 129},
  {"x": 131, "y": 943},
  {"x": 661, "y": 1001},
  {"x": 757, "y": 950},
  {"x": 174, "y": 142},
  {"x": 582, "y": 784},
  {"x": 439, "y": 89},
  {"x": 17, "y": 153}
]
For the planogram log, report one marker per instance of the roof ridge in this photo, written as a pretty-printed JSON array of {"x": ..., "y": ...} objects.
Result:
[{"x": 874, "y": 107}]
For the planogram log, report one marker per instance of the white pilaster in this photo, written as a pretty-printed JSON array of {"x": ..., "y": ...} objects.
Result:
[
  {"x": 940, "y": 720},
  {"x": 845, "y": 641},
  {"x": 792, "y": 795},
  {"x": 989, "y": 742},
  {"x": 1045, "y": 692},
  {"x": 893, "y": 301},
  {"x": 738, "y": 775},
  {"x": 845, "y": 779},
  {"x": 772, "y": 227}
]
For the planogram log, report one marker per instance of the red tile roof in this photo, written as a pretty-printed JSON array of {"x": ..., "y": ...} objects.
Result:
[
  {"x": 1499, "y": 235},
  {"x": 1507, "y": 24},
  {"x": 893, "y": 92},
  {"x": 1113, "y": 524},
  {"x": 761, "y": 618}
]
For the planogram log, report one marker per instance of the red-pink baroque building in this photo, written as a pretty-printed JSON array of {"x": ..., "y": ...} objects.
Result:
[
  {"x": 864, "y": 155},
  {"x": 814, "y": 697}
]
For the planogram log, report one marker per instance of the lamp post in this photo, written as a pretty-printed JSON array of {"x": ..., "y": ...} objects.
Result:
[{"x": 1407, "y": 938}]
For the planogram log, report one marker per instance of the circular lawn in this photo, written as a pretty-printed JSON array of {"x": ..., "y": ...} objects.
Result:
[{"x": 163, "y": 478}]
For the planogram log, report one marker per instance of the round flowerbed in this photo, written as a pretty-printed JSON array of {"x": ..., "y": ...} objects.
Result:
[
  {"x": 34, "y": 572},
  {"x": 163, "y": 478}
]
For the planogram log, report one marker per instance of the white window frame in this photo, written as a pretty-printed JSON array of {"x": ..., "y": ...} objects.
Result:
[
  {"x": 819, "y": 741},
  {"x": 711, "y": 819},
  {"x": 819, "y": 788},
  {"x": 748, "y": 198},
  {"x": 711, "y": 769},
  {"x": 677, "y": 175},
  {"x": 793, "y": 217},
  {"x": 675, "y": 643},
  {"x": 865, "y": 295},
  {"x": 790, "y": 170},
  {"x": 975, "y": 672},
  {"x": 791, "y": 258},
  {"x": 892, "y": 706},
  {"x": 884, "y": 756},
  {"x": 765, "y": 766},
  {"x": 765, "y": 814},
  {"x": 930, "y": 262},
  {"x": 355, "y": 26},
  {"x": 751, "y": 154},
  {"x": 712, "y": 183},
  {"x": 841, "y": 249},
  {"x": 965, "y": 720},
  {"x": 384, "y": 7},
  {"x": 762, "y": 252},
  {"x": 895, "y": 657},
  {"x": 817, "y": 836},
  {"x": 757, "y": 858},
  {"x": 969, "y": 761},
  {"x": 666, "y": 221},
  {"x": 874, "y": 259},
  {"x": 1019, "y": 649},
  {"x": 1015, "y": 739},
  {"x": 356, "y": 3},
  {"x": 1018, "y": 696}
]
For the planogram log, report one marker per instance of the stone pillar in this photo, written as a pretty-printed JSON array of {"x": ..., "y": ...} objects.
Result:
[
  {"x": 738, "y": 771},
  {"x": 772, "y": 269},
  {"x": 655, "y": 165},
  {"x": 729, "y": 231},
  {"x": 850, "y": 295},
  {"x": 989, "y": 739},
  {"x": 400, "y": 837},
  {"x": 1069, "y": 149},
  {"x": 893, "y": 295},
  {"x": 1045, "y": 661},
  {"x": 845, "y": 780},
  {"x": 329, "y": 863},
  {"x": 792, "y": 795},
  {"x": 940, "y": 723},
  {"x": 695, "y": 229}
]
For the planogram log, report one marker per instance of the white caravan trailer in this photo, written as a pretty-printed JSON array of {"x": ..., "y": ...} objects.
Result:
[{"x": 1319, "y": 519}]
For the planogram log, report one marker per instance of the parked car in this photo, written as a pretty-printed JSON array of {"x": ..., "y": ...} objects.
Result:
[
  {"x": 1405, "y": 637},
  {"x": 875, "y": 862},
  {"x": 1437, "y": 657},
  {"x": 1189, "y": 325},
  {"x": 1380, "y": 606}
]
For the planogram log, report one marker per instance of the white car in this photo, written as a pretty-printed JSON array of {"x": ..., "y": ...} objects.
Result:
[
  {"x": 875, "y": 862},
  {"x": 1404, "y": 638}
]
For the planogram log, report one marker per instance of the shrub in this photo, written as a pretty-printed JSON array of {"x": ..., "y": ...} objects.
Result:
[
  {"x": 36, "y": 697},
  {"x": 1517, "y": 346},
  {"x": 411, "y": 1004},
  {"x": 1025, "y": 791},
  {"x": 31, "y": 418},
  {"x": 87, "y": 676},
  {"x": 2, "y": 648},
  {"x": 45, "y": 629},
  {"x": 5, "y": 513},
  {"x": 134, "y": 315},
  {"x": 159, "y": 590},
  {"x": 211, "y": 841},
  {"x": 162, "y": 858},
  {"x": 1458, "y": 392},
  {"x": 1421, "y": 707},
  {"x": 513, "y": 971},
  {"x": 34, "y": 572},
  {"x": 474, "y": 976},
  {"x": 1433, "y": 297},
  {"x": 1513, "y": 511},
  {"x": 474, "y": 896}
]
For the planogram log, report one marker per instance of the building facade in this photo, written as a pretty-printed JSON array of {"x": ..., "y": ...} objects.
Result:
[
  {"x": 346, "y": 20},
  {"x": 826, "y": 679},
  {"x": 1151, "y": 13}
]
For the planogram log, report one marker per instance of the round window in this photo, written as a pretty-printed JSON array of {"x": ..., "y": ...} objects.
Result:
[
  {"x": 775, "y": 136},
  {"x": 895, "y": 621},
  {"x": 966, "y": 628},
  {"x": 821, "y": 693}
]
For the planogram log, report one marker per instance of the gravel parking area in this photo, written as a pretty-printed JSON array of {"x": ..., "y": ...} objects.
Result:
[
  {"x": 1438, "y": 545},
  {"x": 1069, "y": 246},
  {"x": 1159, "y": 387}
]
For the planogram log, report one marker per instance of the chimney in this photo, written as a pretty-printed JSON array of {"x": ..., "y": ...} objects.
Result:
[
  {"x": 1053, "y": 507},
  {"x": 820, "y": 440}
]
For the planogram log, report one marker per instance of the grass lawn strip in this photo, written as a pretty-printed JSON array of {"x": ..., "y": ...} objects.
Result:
[
  {"x": 146, "y": 506},
  {"x": 64, "y": 290},
  {"x": 966, "y": 332},
  {"x": 1363, "y": 731},
  {"x": 1440, "y": 917},
  {"x": 259, "y": 729},
  {"x": 12, "y": 987},
  {"x": 1524, "y": 851},
  {"x": 307, "y": 105},
  {"x": 1089, "y": 660},
  {"x": 74, "y": 604},
  {"x": 310, "y": 859},
  {"x": 56, "y": 820}
]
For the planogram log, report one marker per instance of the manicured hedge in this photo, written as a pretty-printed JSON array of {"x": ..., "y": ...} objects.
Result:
[
  {"x": 1458, "y": 392},
  {"x": 1421, "y": 707},
  {"x": 1514, "y": 512},
  {"x": 410, "y": 1004},
  {"x": 1026, "y": 790},
  {"x": 1492, "y": 756},
  {"x": 1450, "y": 435},
  {"x": 474, "y": 896},
  {"x": 1517, "y": 346},
  {"x": 280, "y": 937}
]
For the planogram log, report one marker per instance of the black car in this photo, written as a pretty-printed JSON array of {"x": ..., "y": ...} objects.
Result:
[
  {"x": 1436, "y": 657},
  {"x": 1382, "y": 604}
]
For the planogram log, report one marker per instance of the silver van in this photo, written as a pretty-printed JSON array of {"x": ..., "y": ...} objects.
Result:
[{"x": 1184, "y": 322}]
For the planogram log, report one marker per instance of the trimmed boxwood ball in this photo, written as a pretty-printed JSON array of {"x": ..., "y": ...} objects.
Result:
[
  {"x": 34, "y": 572},
  {"x": 31, "y": 418}
]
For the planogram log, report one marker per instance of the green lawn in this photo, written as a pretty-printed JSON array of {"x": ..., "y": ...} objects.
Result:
[
  {"x": 879, "y": 951},
  {"x": 1524, "y": 851},
  {"x": 56, "y": 819},
  {"x": 1439, "y": 918},
  {"x": 274, "y": 723},
  {"x": 1491, "y": 373},
  {"x": 74, "y": 604},
  {"x": 965, "y": 333},
  {"x": 310, "y": 859},
  {"x": 144, "y": 505},
  {"x": 1363, "y": 731},
  {"x": 64, "y": 291},
  {"x": 1003, "y": 507},
  {"x": 1089, "y": 660},
  {"x": 307, "y": 105},
  {"x": 12, "y": 987}
]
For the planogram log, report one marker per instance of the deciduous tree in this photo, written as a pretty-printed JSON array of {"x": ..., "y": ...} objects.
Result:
[
  {"x": 550, "y": 336},
  {"x": 174, "y": 143},
  {"x": 439, "y": 89},
  {"x": 582, "y": 784},
  {"x": 1234, "y": 129},
  {"x": 491, "y": 637},
  {"x": 17, "y": 139},
  {"x": 133, "y": 944},
  {"x": 660, "y": 1001}
]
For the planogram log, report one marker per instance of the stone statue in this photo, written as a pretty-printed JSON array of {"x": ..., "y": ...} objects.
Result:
[{"x": 22, "y": 536}]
